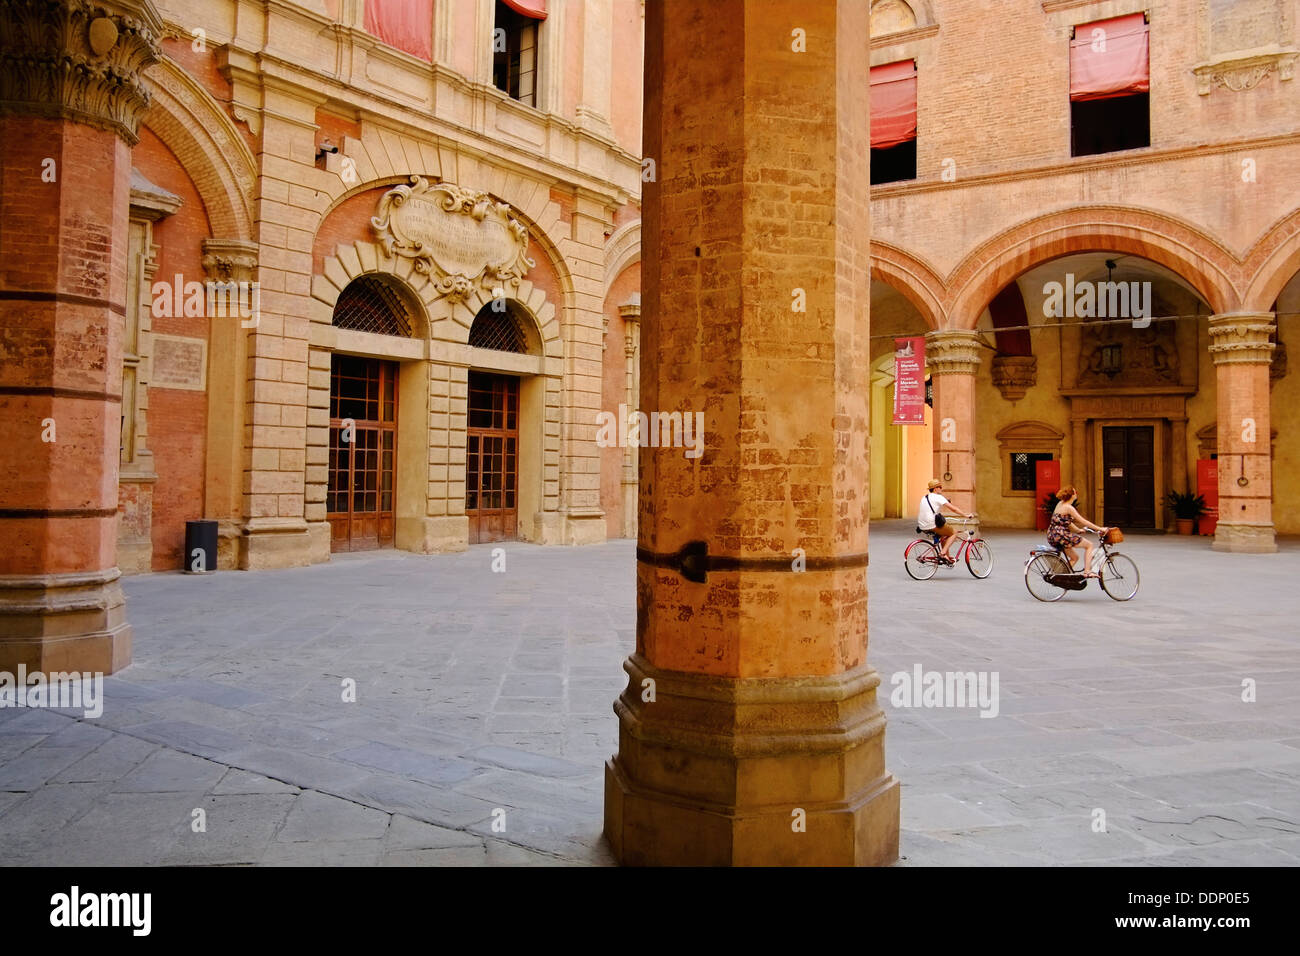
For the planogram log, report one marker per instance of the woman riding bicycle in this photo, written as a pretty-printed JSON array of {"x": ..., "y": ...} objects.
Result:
[{"x": 1065, "y": 521}]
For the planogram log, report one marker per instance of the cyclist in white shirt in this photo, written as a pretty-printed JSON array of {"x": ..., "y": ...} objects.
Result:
[{"x": 933, "y": 503}]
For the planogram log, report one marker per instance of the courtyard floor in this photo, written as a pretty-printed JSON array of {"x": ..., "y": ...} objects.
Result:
[{"x": 482, "y": 714}]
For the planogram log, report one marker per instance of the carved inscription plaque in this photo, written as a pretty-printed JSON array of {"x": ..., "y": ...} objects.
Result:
[{"x": 179, "y": 363}]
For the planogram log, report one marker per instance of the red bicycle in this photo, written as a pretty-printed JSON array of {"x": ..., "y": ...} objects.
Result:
[{"x": 922, "y": 558}]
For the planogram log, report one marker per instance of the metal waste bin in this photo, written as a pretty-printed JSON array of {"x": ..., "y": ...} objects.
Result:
[{"x": 200, "y": 555}]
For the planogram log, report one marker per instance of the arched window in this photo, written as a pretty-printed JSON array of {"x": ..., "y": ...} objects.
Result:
[
  {"x": 498, "y": 328},
  {"x": 370, "y": 304}
]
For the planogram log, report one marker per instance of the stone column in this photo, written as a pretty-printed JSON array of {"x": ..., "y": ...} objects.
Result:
[
  {"x": 631, "y": 313},
  {"x": 227, "y": 260},
  {"x": 1240, "y": 346},
  {"x": 71, "y": 97},
  {"x": 1079, "y": 475},
  {"x": 952, "y": 358},
  {"x": 749, "y": 730}
]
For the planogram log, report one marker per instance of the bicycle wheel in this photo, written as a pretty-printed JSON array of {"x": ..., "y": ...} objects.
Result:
[
  {"x": 979, "y": 558},
  {"x": 1036, "y": 572},
  {"x": 921, "y": 560},
  {"x": 1119, "y": 577}
]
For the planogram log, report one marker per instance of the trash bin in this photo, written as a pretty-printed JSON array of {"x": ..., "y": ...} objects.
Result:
[{"x": 200, "y": 555}]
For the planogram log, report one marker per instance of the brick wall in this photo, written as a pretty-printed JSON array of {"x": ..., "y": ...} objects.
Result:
[{"x": 177, "y": 418}]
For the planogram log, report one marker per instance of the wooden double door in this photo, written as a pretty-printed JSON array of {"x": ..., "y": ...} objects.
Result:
[
  {"x": 359, "y": 501},
  {"x": 1129, "y": 476},
  {"x": 492, "y": 458}
]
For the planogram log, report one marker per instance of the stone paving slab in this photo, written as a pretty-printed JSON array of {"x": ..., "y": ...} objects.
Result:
[{"x": 485, "y": 700}]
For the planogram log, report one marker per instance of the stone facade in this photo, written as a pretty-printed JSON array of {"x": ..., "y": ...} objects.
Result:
[{"x": 278, "y": 138}]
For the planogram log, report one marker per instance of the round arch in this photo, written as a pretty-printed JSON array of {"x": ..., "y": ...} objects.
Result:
[
  {"x": 1203, "y": 262},
  {"x": 911, "y": 276},
  {"x": 1271, "y": 263},
  {"x": 622, "y": 249},
  {"x": 198, "y": 131}
]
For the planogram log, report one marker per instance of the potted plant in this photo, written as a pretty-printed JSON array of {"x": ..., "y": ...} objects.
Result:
[{"x": 1187, "y": 507}]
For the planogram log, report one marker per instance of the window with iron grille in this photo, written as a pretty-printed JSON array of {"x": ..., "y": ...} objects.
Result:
[
  {"x": 497, "y": 329},
  {"x": 1022, "y": 469},
  {"x": 369, "y": 304}
]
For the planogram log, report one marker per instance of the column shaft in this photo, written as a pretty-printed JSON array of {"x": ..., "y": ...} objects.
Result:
[
  {"x": 952, "y": 358},
  {"x": 1239, "y": 343}
]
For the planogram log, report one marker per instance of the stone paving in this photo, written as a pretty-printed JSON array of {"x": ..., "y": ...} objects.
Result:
[{"x": 483, "y": 702}]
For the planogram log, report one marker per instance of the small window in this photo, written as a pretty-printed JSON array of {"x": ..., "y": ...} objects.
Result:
[
  {"x": 1022, "y": 469},
  {"x": 498, "y": 329},
  {"x": 1110, "y": 84},
  {"x": 514, "y": 54}
]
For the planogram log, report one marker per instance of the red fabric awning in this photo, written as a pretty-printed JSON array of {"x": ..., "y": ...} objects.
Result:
[
  {"x": 893, "y": 104},
  {"x": 1110, "y": 58},
  {"x": 529, "y": 8},
  {"x": 405, "y": 24}
]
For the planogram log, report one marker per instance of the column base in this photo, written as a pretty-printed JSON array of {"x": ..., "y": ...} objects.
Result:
[
  {"x": 755, "y": 772},
  {"x": 64, "y": 622},
  {"x": 268, "y": 543},
  {"x": 1245, "y": 538},
  {"x": 443, "y": 535}
]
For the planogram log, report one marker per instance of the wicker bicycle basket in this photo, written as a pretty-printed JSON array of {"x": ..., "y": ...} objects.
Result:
[{"x": 1114, "y": 536}]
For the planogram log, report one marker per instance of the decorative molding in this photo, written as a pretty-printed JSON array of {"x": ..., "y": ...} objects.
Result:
[
  {"x": 149, "y": 201},
  {"x": 1242, "y": 338},
  {"x": 229, "y": 260},
  {"x": 1014, "y": 375},
  {"x": 80, "y": 61},
  {"x": 487, "y": 248},
  {"x": 952, "y": 352},
  {"x": 1241, "y": 73}
]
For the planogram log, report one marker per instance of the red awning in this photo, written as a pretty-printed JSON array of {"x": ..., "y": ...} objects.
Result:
[
  {"x": 893, "y": 104},
  {"x": 529, "y": 8},
  {"x": 405, "y": 24},
  {"x": 1110, "y": 58}
]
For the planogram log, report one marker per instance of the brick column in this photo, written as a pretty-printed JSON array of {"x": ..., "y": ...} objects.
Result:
[
  {"x": 1242, "y": 352},
  {"x": 71, "y": 96},
  {"x": 952, "y": 358},
  {"x": 749, "y": 730}
]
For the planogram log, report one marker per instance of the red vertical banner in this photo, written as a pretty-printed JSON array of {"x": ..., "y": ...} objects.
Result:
[
  {"x": 909, "y": 381},
  {"x": 1207, "y": 485}
]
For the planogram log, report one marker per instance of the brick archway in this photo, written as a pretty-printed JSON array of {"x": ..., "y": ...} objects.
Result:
[
  {"x": 1202, "y": 261},
  {"x": 1271, "y": 263},
  {"x": 911, "y": 276},
  {"x": 198, "y": 130}
]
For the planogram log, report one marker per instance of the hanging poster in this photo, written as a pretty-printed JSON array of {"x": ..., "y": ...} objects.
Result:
[{"x": 909, "y": 381}]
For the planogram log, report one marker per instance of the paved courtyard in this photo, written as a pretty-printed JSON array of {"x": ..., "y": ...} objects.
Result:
[{"x": 482, "y": 715}]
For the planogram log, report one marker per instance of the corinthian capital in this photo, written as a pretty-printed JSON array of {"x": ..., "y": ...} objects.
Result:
[
  {"x": 952, "y": 352},
  {"x": 1242, "y": 338},
  {"x": 80, "y": 60}
]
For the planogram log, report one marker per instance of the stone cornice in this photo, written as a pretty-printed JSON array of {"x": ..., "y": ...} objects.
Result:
[
  {"x": 79, "y": 60},
  {"x": 905, "y": 36},
  {"x": 1136, "y": 157},
  {"x": 1244, "y": 71}
]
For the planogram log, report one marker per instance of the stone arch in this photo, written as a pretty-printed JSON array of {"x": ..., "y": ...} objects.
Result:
[
  {"x": 196, "y": 128},
  {"x": 1202, "y": 261},
  {"x": 910, "y": 275},
  {"x": 622, "y": 249},
  {"x": 1271, "y": 263}
]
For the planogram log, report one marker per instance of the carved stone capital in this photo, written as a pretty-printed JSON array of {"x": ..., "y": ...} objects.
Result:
[
  {"x": 1242, "y": 338},
  {"x": 229, "y": 260},
  {"x": 81, "y": 60},
  {"x": 952, "y": 352},
  {"x": 1013, "y": 375}
]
